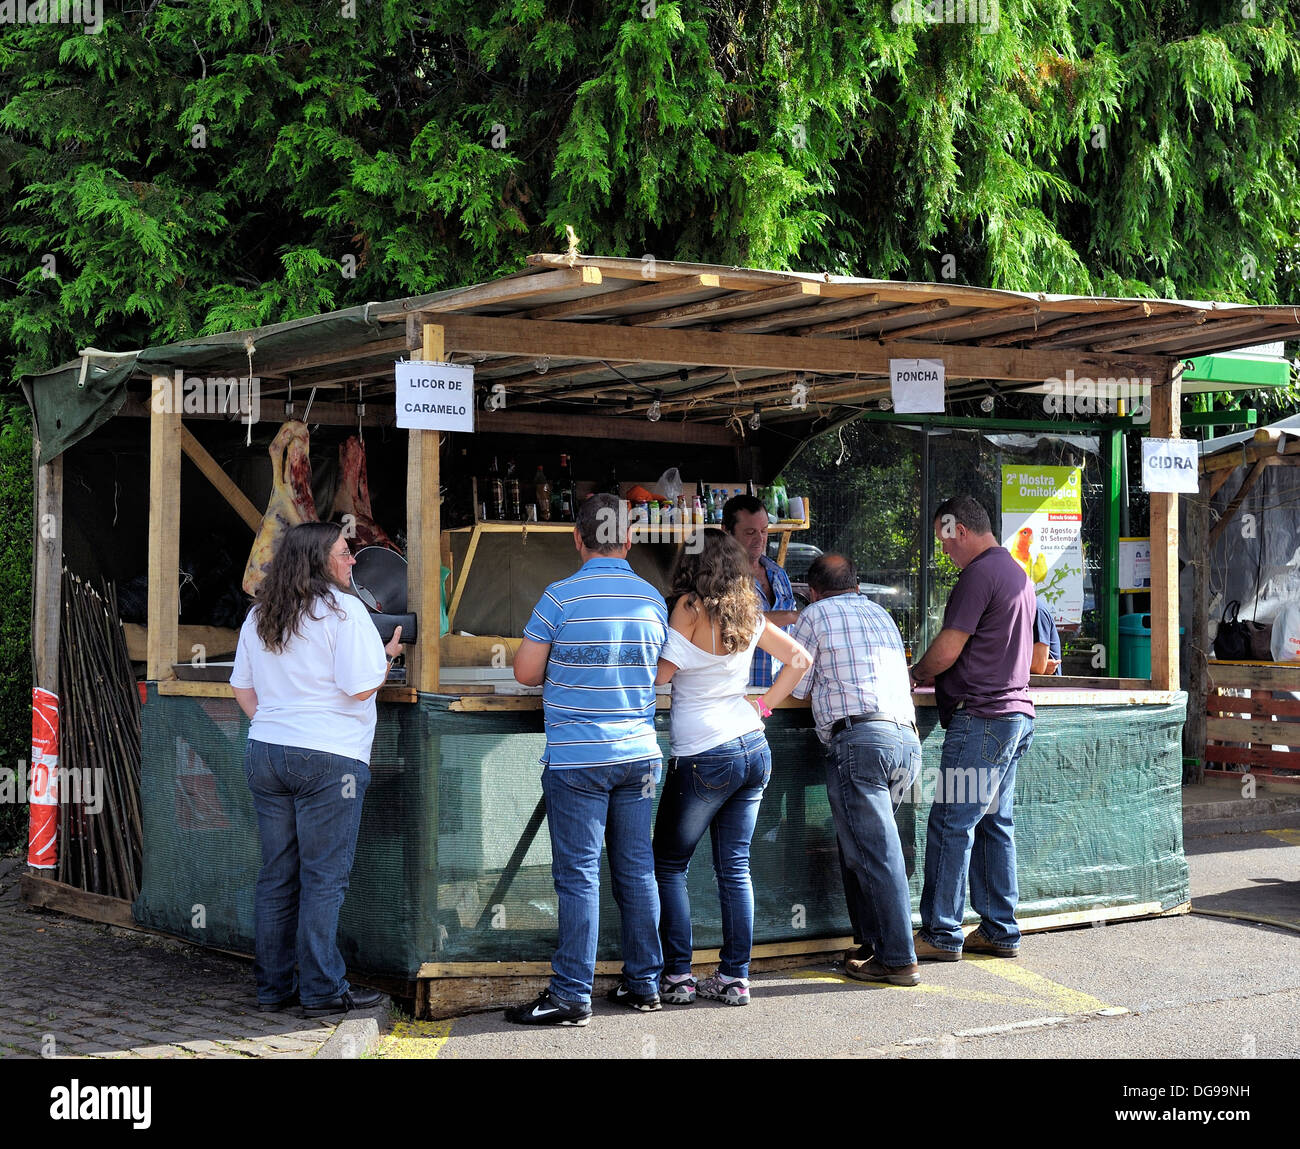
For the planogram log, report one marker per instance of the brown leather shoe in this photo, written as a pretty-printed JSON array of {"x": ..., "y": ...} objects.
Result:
[
  {"x": 926, "y": 952},
  {"x": 977, "y": 943},
  {"x": 873, "y": 971}
]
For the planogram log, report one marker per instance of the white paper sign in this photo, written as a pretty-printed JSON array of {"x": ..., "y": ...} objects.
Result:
[
  {"x": 916, "y": 386},
  {"x": 1170, "y": 465},
  {"x": 435, "y": 396},
  {"x": 1134, "y": 564}
]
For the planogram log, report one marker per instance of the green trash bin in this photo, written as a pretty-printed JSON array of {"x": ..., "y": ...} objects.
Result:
[{"x": 1135, "y": 645}]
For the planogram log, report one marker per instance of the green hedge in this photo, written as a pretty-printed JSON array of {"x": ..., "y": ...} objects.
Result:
[{"x": 16, "y": 595}]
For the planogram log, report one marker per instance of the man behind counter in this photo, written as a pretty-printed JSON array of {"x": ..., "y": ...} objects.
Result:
[{"x": 745, "y": 519}]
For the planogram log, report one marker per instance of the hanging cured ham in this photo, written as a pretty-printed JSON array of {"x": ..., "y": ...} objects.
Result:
[
  {"x": 291, "y": 500},
  {"x": 353, "y": 498}
]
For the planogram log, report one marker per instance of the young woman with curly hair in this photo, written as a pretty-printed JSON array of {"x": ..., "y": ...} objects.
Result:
[
  {"x": 306, "y": 672},
  {"x": 721, "y": 762}
]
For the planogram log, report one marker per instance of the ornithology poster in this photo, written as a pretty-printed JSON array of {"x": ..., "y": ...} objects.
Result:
[{"x": 1042, "y": 526}]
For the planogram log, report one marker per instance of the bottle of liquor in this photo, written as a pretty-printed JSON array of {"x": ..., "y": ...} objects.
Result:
[
  {"x": 496, "y": 492},
  {"x": 542, "y": 489},
  {"x": 514, "y": 507},
  {"x": 564, "y": 488}
]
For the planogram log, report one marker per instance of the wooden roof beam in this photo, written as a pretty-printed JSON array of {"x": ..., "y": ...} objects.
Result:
[
  {"x": 871, "y": 318},
  {"x": 1036, "y": 335},
  {"x": 960, "y": 322},
  {"x": 734, "y": 304},
  {"x": 836, "y": 308},
  {"x": 1186, "y": 317},
  {"x": 499, "y": 292},
  {"x": 625, "y": 297},
  {"x": 480, "y": 334}
]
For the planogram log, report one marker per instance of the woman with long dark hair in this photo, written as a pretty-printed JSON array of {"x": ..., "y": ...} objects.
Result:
[
  {"x": 721, "y": 762},
  {"x": 306, "y": 672}
]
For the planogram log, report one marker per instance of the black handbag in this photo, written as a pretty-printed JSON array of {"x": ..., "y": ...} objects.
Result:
[{"x": 1241, "y": 641}]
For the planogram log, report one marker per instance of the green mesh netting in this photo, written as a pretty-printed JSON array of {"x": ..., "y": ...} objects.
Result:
[{"x": 445, "y": 871}]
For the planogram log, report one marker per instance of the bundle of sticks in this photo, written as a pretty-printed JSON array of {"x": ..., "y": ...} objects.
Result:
[{"x": 99, "y": 746}]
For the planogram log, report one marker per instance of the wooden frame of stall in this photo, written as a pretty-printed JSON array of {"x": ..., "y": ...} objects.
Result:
[
  {"x": 1234, "y": 714},
  {"x": 594, "y": 320}
]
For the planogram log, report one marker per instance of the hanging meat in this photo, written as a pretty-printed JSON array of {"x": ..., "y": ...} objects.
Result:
[
  {"x": 353, "y": 498},
  {"x": 291, "y": 499}
]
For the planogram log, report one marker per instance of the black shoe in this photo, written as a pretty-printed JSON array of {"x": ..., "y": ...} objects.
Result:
[
  {"x": 276, "y": 1006},
  {"x": 353, "y": 999},
  {"x": 549, "y": 1010},
  {"x": 645, "y": 1002}
]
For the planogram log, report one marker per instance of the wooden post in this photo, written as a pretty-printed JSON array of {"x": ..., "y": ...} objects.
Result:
[
  {"x": 423, "y": 538},
  {"x": 164, "y": 541},
  {"x": 1198, "y": 641},
  {"x": 47, "y": 569},
  {"x": 1165, "y": 395}
]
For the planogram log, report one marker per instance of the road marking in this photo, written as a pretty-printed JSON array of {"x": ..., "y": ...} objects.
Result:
[
  {"x": 1037, "y": 989},
  {"x": 416, "y": 1039},
  {"x": 1061, "y": 997},
  {"x": 1290, "y": 837},
  {"x": 961, "y": 993}
]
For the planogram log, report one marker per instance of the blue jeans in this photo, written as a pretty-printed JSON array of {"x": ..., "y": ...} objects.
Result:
[
  {"x": 869, "y": 769},
  {"x": 970, "y": 830},
  {"x": 308, "y": 805},
  {"x": 585, "y": 805},
  {"x": 718, "y": 790}
]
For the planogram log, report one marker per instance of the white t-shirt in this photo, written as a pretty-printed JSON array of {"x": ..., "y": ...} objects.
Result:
[
  {"x": 709, "y": 703},
  {"x": 304, "y": 692}
]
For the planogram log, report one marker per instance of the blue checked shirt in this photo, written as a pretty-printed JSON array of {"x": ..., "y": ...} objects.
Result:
[
  {"x": 859, "y": 665},
  {"x": 765, "y": 667},
  {"x": 605, "y": 626}
]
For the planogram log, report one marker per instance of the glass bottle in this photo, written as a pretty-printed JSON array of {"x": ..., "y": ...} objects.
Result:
[
  {"x": 542, "y": 489},
  {"x": 496, "y": 492}
]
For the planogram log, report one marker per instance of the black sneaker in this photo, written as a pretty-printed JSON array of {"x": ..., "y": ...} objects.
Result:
[
  {"x": 621, "y": 994},
  {"x": 549, "y": 1010}
]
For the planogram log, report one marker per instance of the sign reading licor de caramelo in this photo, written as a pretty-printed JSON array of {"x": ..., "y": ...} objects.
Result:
[
  {"x": 435, "y": 396},
  {"x": 1170, "y": 465}
]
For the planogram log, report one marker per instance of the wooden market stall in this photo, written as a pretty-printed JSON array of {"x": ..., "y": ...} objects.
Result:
[
  {"x": 1243, "y": 714},
  {"x": 741, "y": 366}
]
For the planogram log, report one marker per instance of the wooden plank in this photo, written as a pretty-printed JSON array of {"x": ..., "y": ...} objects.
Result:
[
  {"x": 1253, "y": 756},
  {"x": 593, "y": 304},
  {"x": 1164, "y": 539},
  {"x": 164, "y": 541},
  {"x": 602, "y": 341},
  {"x": 738, "y": 303},
  {"x": 1255, "y": 731},
  {"x": 176, "y": 688},
  {"x": 1047, "y": 331},
  {"x": 47, "y": 894},
  {"x": 1230, "y": 512},
  {"x": 327, "y": 414},
  {"x": 870, "y": 318},
  {"x": 508, "y": 422},
  {"x": 1198, "y": 641},
  {"x": 423, "y": 522},
  {"x": 1082, "y": 682},
  {"x": 500, "y": 292},
  {"x": 239, "y": 502},
  {"x": 462, "y": 581},
  {"x": 961, "y": 322},
  {"x": 47, "y": 569},
  {"x": 216, "y": 641},
  {"x": 1255, "y": 675},
  {"x": 379, "y": 348},
  {"x": 836, "y": 307},
  {"x": 1141, "y": 327},
  {"x": 1261, "y": 704}
]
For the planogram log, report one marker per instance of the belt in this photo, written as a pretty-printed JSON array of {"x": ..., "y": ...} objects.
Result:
[{"x": 842, "y": 724}]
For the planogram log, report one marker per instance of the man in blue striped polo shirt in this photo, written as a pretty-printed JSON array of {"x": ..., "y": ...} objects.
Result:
[{"x": 593, "y": 645}]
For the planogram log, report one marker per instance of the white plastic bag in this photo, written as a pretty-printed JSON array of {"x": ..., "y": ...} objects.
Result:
[
  {"x": 670, "y": 483},
  {"x": 1285, "y": 644}
]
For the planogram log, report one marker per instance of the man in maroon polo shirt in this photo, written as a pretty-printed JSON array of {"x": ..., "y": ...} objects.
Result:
[{"x": 979, "y": 664}]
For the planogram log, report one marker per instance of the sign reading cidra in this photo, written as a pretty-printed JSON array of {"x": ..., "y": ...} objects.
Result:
[
  {"x": 435, "y": 396},
  {"x": 1169, "y": 465},
  {"x": 916, "y": 386}
]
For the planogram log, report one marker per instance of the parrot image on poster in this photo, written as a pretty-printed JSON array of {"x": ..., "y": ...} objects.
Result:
[{"x": 1036, "y": 568}]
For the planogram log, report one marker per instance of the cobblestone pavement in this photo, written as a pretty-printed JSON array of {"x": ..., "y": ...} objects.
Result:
[{"x": 70, "y": 988}]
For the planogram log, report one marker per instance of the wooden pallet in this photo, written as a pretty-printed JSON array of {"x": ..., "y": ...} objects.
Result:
[{"x": 1248, "y": 713}]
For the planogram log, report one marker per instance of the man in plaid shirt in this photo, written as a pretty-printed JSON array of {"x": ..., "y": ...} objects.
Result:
[{"x": 862, "y": 705}]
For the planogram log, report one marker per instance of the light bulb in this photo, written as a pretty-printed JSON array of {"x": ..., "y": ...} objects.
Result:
[
  {"x": 756, "y": 419},
  {"x": 885, "y": 404},
  {"x": 654, "y": 413},
  {"x": 986, "y": 404}
]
